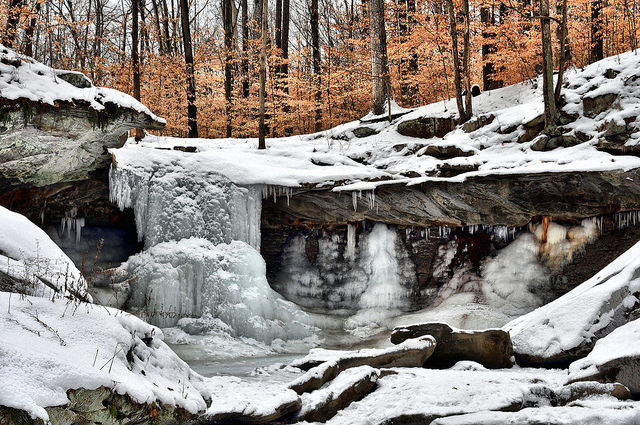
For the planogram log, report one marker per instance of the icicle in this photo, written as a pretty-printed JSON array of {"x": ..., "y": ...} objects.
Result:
[
  {"x": 79, "y": 224},
  {"x": 371, "y": 199},
  {"x": 351, "y": 241},
  {"x": 354, "y": 197}
]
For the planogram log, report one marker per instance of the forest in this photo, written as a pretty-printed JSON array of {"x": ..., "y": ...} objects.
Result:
[{"x": 198, "y": 63}]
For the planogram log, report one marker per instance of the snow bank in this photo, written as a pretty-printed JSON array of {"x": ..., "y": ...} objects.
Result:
[
  {"x": 50, "y": 347},
  {"x": 575, "y": 320},
  {"x": 22, "y": 77},
  {"x": 223, "y": 286},
  {"x": 28, "y": 255}
]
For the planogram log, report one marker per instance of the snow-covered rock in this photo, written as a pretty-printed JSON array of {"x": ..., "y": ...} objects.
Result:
[
  {"x": 49, "y": 347},
  {"x": 31, "y": 263},
  {"x": 324, "y": 365},
  {"x": 349, "y": 386},
  {"x": 568, "y": 328},
  {"x": 55, "y": 129},
  {"x": 490, "y": 347},
  {"x": 614, "y": 358}
]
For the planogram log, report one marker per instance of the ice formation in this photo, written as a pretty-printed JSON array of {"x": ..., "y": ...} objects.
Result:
[
  {"x": 200, "y": 268},
  {"x": 174, "y": 205},
  {"x": 367, "y": 276},
  {"x": 193, "y": 282}
]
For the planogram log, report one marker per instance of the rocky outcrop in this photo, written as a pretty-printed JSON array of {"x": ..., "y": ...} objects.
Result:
[
  {"x": 101, "y": 407},
  {"x": 491, "y": 348},
  {"x": 510, "y": 200},
  {"x": 594, "y": 105},
  {"x": 55, "y": 130},
  {"x": 427, "y": 127}
]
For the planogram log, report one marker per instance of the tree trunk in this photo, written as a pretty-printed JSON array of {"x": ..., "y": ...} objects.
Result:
[
  {"x": 245, "y": 49},
  {"x": 466, "y": 57},
  {"x": 192, "y": 110},
  {"x": 277, "y": 29},
  {"x": 317, "y": 65},
  {"x": 284, "y": 42},
  {"x": 156, "y": 20},
  {"x": 11, "y": 29},
  {"x": 135, "y": 59},
  {"x": 227, "y": 18},
  {"x": 379, "y": 65},
  {"x": 562, "y": 60},
  {"x": 262, "y": 130},
  {"x": 547, "y": 66},
  {"x": 30, "y": 30},
  {"x": 457, "y": 82},
  {"x": 597, "y": 37}
]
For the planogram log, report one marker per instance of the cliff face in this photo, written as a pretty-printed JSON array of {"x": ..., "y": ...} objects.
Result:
[{"x": 55, "y": 129}]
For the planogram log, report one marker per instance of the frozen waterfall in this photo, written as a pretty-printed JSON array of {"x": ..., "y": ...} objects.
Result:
[{"x": 201, "y": 269}]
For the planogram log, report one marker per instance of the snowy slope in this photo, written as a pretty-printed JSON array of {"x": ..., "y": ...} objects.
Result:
[
  {"x": 575, "y": 320},
  {"x": 22, "y": 77},
  {"x": 50, "y": 347},
  {"x": 337, "y": 158},
  {"x": 27, "y": 254}
]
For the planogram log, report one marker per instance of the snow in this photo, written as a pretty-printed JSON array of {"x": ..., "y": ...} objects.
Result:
[
  {"x": 618, "y": 413},
  {"x": 336, "y": 387},
  {"x": 414, "y": 391},
  {"x": 336, "y": 159},
  {"x": 37, "y": 82},
  {"x": 28, "y": 254},
  {"x": 232, "y": 395},
  {"x": 49, "y": 347},
  {"x": 623, "y": 342},
  {"x": 577, "y": 316}
]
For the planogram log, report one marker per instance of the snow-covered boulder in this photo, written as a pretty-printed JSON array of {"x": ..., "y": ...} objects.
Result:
[
  {"x": 324, "y": 365},
  {"x": 568, "y": 328},
  {"x": 31, "y": 263},
  {"x": 349, "y": 386},
  {"x": 614, "y": 358},
  {"x": 490, "y": 347},
  {"x": 51, "y": 347}
]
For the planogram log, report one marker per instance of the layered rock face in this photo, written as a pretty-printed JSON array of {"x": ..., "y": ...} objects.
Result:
[{"x": 55, "y": 131}]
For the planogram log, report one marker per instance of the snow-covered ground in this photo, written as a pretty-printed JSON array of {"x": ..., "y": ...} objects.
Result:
[{"x": 338, "y": 159}]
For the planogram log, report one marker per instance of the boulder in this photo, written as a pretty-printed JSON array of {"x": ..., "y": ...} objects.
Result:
[
  {"x": 477, "y": 123},
  {"x": 546, "y": 143},
  {"x": 427, "y": 127},
  {"x": 594, "y": 105},
  {"x": 349, "y": 386},
  {"x": 364, "y": 131},
  {"x": 614, "y": 358},
  {"x": 324, "y": 365},
  {"x": 446, "y": 152},
  {"x": 491, "y": 348}
]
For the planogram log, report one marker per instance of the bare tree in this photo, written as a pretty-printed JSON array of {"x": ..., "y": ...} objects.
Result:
[
  {"x": 379, "y": 62},
  {"x": 464, "y": 114},
  {"x": 262, "y": 130},
  {"x": 192, "y": 110},
  {"x": 227, "y": 19},
  {"x": 564, "y": 50},
  {"x": 11, "y": 29},
  {"x": 135, "y": 58},
  {"x": 317, "y": 64},
  {"x": 547, "y": 66}
]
